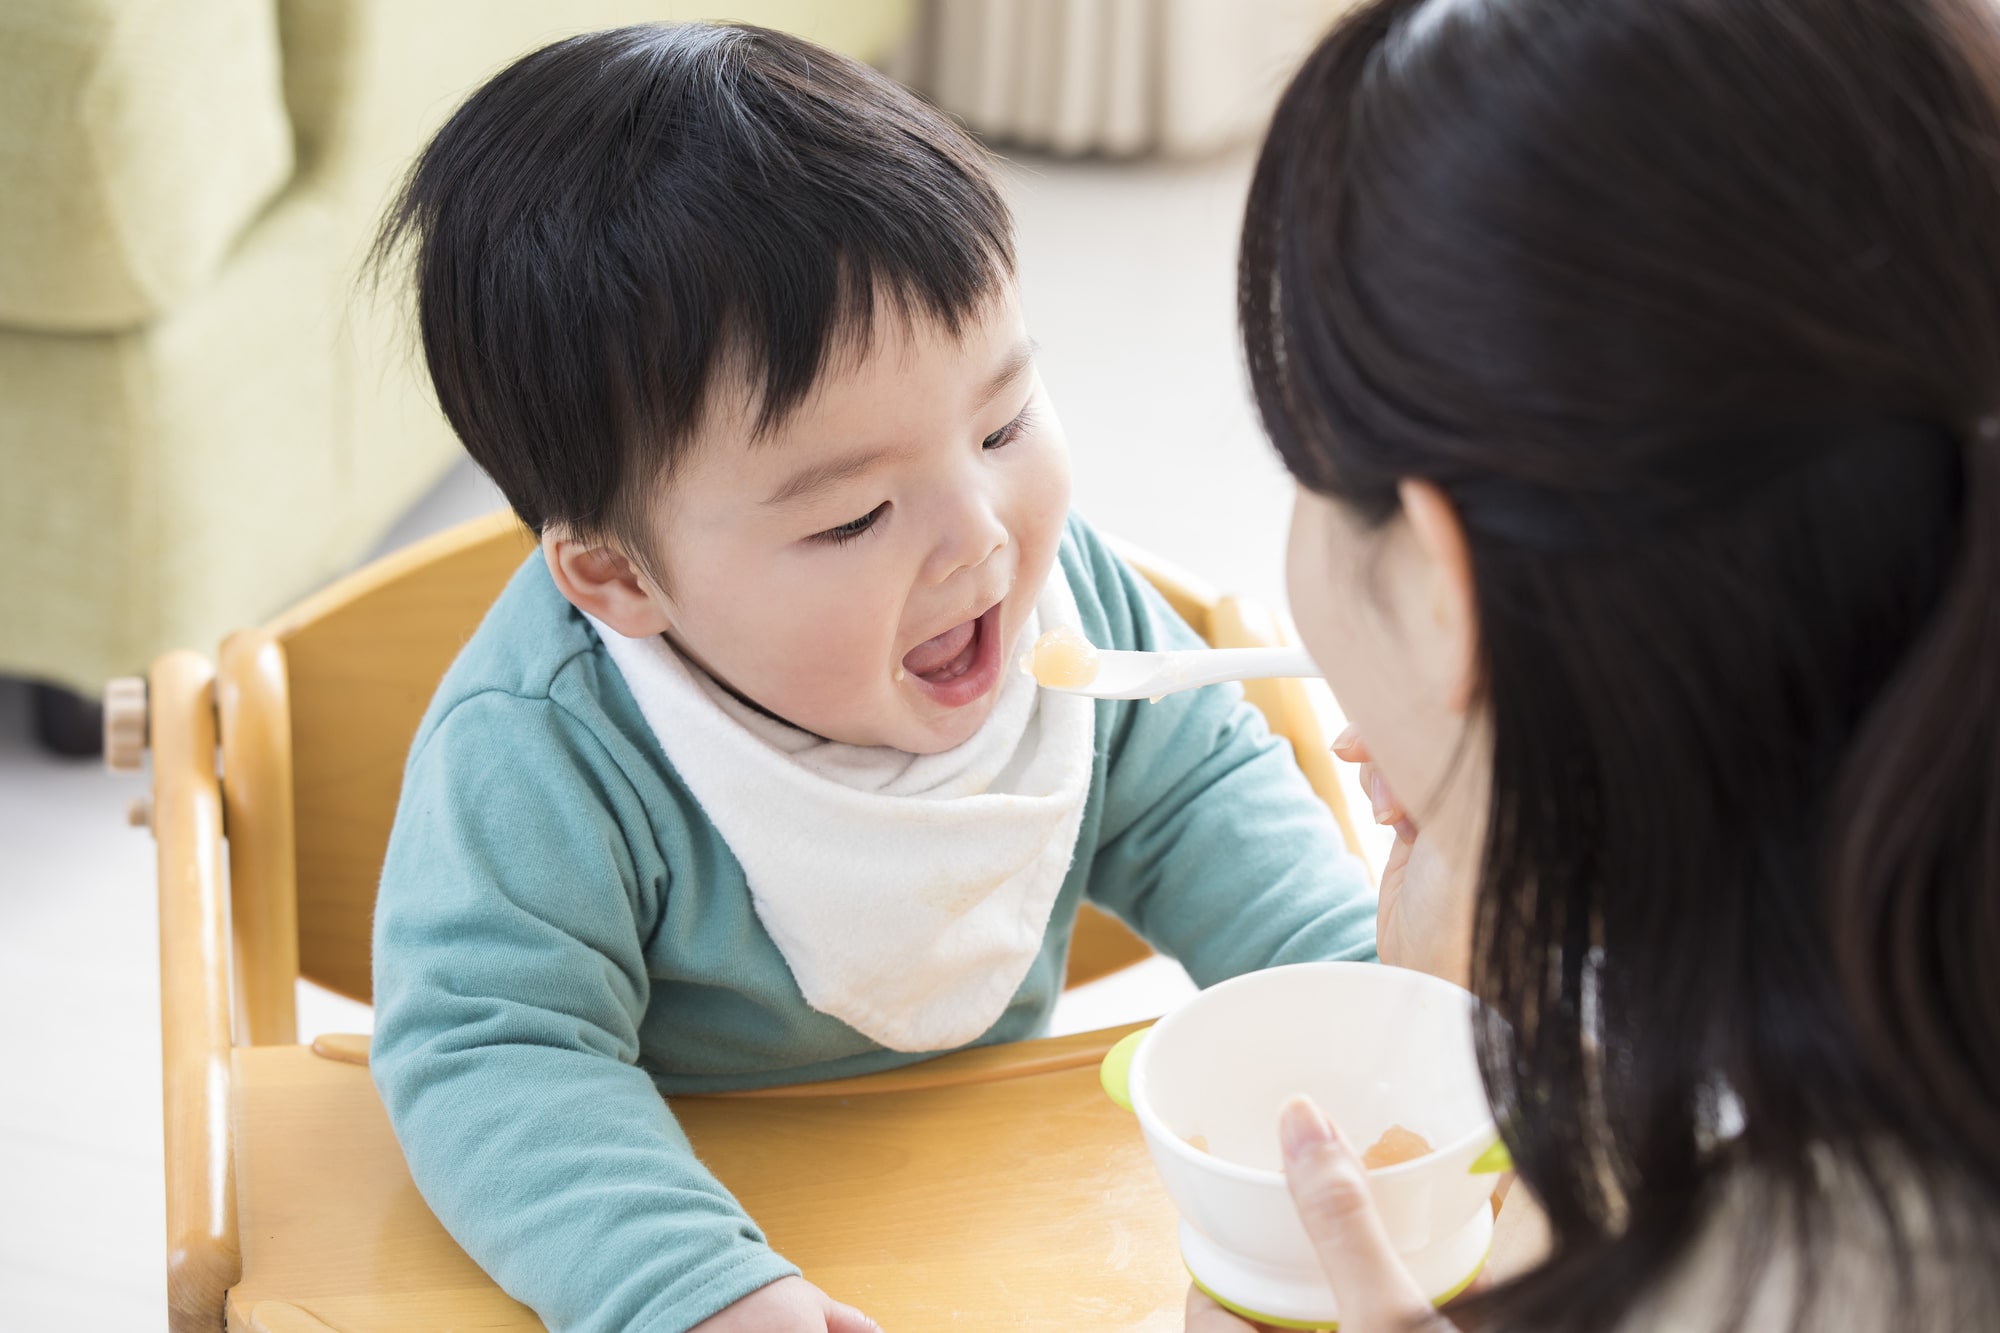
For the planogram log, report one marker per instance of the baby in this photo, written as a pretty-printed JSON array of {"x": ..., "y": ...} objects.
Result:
[{"x": 739, "y": 782}]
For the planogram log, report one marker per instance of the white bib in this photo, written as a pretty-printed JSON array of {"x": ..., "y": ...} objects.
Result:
[{"x": 909, "y": 894}]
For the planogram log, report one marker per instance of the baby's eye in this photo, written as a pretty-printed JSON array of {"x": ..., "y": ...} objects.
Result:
[
  {"x": 847, "y": 532},
  {"x": 1005, "y": 435}
]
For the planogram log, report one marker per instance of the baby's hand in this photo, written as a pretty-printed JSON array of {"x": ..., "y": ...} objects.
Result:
[{"x": 789, "y": 1305}]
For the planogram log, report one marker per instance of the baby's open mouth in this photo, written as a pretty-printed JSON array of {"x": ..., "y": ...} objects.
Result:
[
  {"x": 962, "y": 663},
  {"x": 948, "y": 655}
]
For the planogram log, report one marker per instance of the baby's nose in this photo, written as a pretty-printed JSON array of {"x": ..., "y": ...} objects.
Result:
[{"x": 968, "y": 545}]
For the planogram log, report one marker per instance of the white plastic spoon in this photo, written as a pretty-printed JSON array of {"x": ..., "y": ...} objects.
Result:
[{"x": 1132, "y": 675}]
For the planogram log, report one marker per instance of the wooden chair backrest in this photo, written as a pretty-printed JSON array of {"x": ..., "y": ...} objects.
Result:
[{"x": 316, "y": 713}]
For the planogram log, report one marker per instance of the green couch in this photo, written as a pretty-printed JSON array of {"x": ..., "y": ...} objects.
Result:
[{"x": 200, "y": 418}]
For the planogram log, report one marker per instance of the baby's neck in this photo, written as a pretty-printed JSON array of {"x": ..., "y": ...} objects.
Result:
[{"x": 739, "y": 696}]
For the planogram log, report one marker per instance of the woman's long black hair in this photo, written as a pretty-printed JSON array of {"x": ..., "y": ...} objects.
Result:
[{"x": 1692, "y": 307}]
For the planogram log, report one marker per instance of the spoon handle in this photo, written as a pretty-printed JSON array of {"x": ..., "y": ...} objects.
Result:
[
  {"x": 1126, "y": 674},
  {"x": 1193, "y": 670}
]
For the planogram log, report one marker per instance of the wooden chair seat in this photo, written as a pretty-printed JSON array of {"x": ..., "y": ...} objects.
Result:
[{"x": 995, "y": 1189}]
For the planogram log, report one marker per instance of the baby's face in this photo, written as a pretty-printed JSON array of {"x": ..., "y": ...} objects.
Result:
[{"x": 864, "y": 572}]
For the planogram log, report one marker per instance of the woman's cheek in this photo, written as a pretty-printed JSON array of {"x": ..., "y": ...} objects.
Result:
[
  {"x": 1323, "y": 563},
  {"x": 1309, "y": 575}
]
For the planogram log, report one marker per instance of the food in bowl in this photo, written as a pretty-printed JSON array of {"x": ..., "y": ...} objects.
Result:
[
  {"x": 1396, "y": 1146},
  {"x": 1376, "y": 1048}
]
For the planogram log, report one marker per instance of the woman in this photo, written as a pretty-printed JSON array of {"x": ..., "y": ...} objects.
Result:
[{"x": 1639, "y": 362}]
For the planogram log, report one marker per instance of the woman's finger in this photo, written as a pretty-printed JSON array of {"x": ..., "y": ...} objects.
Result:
[{"x": 1330, "y": 1189}]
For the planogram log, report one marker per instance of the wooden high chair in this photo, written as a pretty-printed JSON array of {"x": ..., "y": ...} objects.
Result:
[{"x": 991, "y": 1188}]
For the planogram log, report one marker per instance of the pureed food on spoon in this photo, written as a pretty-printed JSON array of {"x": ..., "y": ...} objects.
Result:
[{"x": 1064, "y": 659}]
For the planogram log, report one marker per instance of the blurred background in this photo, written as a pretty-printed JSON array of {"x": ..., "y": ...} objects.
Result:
[{"x": 201, "y": 421}]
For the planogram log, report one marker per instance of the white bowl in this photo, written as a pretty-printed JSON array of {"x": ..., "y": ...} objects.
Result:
[{"x": 1374, "y": 1046}]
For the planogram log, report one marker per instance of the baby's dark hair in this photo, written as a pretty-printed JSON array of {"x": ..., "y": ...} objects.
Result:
[{"x": 615, "y": 223}]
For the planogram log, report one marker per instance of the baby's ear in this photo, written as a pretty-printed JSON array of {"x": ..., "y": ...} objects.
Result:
[{"x": 605, "y": 583}]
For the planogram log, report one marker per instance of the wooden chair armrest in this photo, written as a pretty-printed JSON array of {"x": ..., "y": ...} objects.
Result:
[
  {"x": 977, "y": 1064},
  {"x": 203, "y": 1256}
]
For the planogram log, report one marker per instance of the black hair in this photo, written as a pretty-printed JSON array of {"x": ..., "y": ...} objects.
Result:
[
  {"x": 619, "y": 223},
  {"x": 1692, "y": 308}
]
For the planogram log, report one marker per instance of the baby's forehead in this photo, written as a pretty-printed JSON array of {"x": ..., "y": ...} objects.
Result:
[
  {"x": 901, "y": 357},
  {"x": 910, "y": 384}
]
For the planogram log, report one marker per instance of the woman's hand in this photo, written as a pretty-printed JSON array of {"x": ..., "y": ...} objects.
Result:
[
  {"x": 1423, "y": 920},
  {"x": 1330, "y": 1189}
]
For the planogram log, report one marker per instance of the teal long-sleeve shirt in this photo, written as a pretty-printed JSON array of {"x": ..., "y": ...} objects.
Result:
[{"x": 561, "y": 937}]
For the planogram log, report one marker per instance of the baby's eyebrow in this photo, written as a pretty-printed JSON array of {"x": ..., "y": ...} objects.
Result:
[
  {"x": 1010, "y": 370},
  {"x": 810, "y": 481}
]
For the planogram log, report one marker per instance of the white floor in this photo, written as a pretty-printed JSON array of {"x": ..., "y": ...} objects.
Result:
[{"x": 1128, "y": 279}]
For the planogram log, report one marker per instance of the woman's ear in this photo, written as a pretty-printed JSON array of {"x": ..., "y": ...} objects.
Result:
[
  {"x": 606, "y": 584},
  {"x": 1453, "y": 609}
]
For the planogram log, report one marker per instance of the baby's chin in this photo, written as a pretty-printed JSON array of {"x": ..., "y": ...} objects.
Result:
[
  {"x": 947, "y": 732},
  {"x": 897, "y": 725}
]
